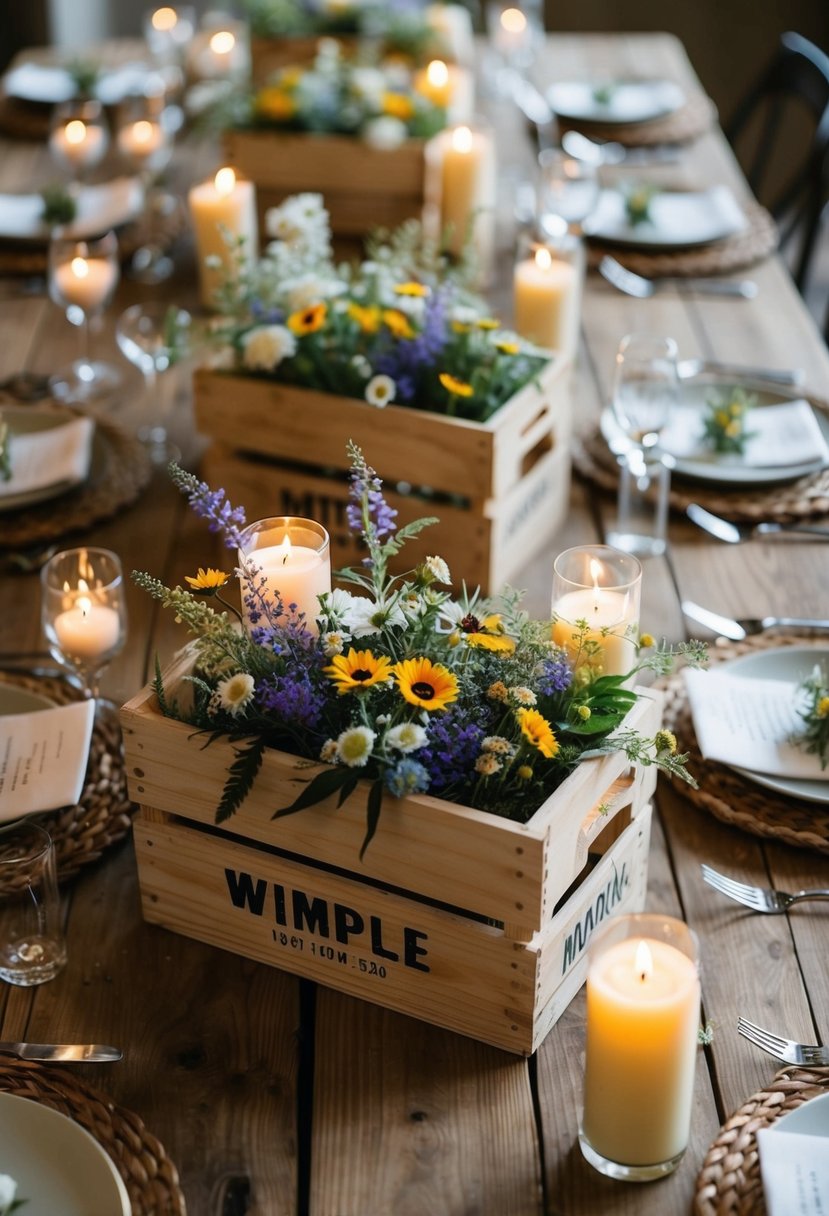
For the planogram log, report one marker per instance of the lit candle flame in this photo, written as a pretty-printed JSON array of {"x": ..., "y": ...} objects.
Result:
[
  {"x": 285, "y": 550},
  {"x": 543, "y": 258},
  {"x": 643, "y": 962},
  {"x": 225, "y": 181},
  {"x": 164, "y": 19},
  {"x": 80, "y": 267},
  {"x": 437, "y": 73},
  {"x": 222, "y": 42},
  {"x": 513, "y": 21},
  {"x": 75, "y": 131},
  {"x": 142, "y": 131},
  {"x": 85, "y": 604},
  {"x": 462, "y": 139},
  {"x": 595, "y": 571}
]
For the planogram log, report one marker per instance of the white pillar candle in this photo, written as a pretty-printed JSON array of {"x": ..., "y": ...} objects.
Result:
[
  {"x": 87, "y": 632},
  {"x": 224, "y": 205},
  {"x": 546, "y": 294},
  {"x": 140, "y": 141},
  {"x": 643, "y": 1003},
  {"x": 608, "y": 643},
  {"x": 452, "y": 26},
  {"x": 449, "y": 86},
  {"x": 78, "y": 144},
  {"x": 461, "y": 191},
  {"x": 296, "y": 574},
  {"x": 87, "y": 282}
]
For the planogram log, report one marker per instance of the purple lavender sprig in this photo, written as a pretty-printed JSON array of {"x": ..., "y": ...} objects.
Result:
[
  {"x": 367, "y": 513},
  {"x": 408, "y": 359},
  {"x": 211, "y": 505}
]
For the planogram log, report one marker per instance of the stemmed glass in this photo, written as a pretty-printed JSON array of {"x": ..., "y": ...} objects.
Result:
[
  {"x": 568, "y": 190},
  {"x": 78, "y": 136},
  {"x": 83, "y": 612},
  {"x": 144, "y": 141},
  {"x": 155, "y": 337},
  {"x": 645, "y": 390},
  {"x": 83, "y": 276}
]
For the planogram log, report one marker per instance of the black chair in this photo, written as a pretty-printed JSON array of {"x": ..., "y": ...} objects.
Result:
[{"x": 799, "y": 73}]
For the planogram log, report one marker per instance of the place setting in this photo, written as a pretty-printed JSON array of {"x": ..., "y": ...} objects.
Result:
[{"x": 636, "y": 112}]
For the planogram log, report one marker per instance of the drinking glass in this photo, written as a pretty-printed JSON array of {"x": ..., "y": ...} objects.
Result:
[
  {"x": 568, "y": 190},
  {"x": 155, "y": 337},
  {"x": 32, "y": 945},
  {"x": 645, "y": 390},
  {"x": 83, "y": 276},
  {"x": 145, "y": 143},
  {"x": 83, "y": 612},
  {"x": 515, "y": 30},
  {"x": 168, "y": 31},
  {"x": 78, "y": 136}
]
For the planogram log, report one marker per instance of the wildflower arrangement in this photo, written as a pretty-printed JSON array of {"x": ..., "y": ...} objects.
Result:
[
  {"x": 406, "y": 685},
  {"x": 398, "y": 327},
  {"x": 814, "y": 693},
  {"x": 399, "y": 25},
  {"x": 725, "y": 420},
  {"x": 340, "y": 96}
]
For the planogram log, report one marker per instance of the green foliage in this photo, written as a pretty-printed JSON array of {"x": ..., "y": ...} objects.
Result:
[
  {"x": 241, "y": 776},
  {"x": 814, "y": 711},
  {"x": 59, "y": 206},
  {"x": 724, "y": 422}
]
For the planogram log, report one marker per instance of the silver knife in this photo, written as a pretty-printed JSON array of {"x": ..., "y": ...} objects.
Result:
[
  {"x": 727, "y": 627},
  {"x": 733, "y": 534},
  {"x": 63, "y": 1053},
  {"x": 687, "y": 369}
]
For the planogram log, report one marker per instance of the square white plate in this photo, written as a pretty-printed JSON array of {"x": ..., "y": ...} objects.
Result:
[
  {"x": 679, "y": 219},
  {"x": 627, "y": 100}
]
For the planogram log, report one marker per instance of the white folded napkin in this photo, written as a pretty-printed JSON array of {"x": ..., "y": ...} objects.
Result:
[
  {"x": 43, "y": 758},
  {"x": 44, "y": 458},
  {"x": 749, "y": 723},
  {"x": 98, "y": 208},
  {"x": 795, "y": 1170},
  {"x": 785, "y": 434},
  {"x": 50, "y": 82}
]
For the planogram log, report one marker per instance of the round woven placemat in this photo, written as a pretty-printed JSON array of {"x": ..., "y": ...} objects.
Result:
[
  {"x": 757, "y": 241},
  {"x": 781, "y": 502},
  {"x": 691, "y": 120},
  {"x": 103, "y": 813},
  {"x": 125, "y": 470},
  {"x": 729, "y": 1183},
  {"x": 722, "y": 792},
  {"x": 149, "y": 1175}
]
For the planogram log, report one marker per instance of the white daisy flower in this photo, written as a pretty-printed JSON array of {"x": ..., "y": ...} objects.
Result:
[
  {"x": 385, "y": 133},
  {"x": 380, "y": 391},
  {"x": 407, "y": 737},
  {"x": 264, "y": 347},
  {"x": 8, "y": 1190},
  {"x": 519, "y": 695},
  {"x": 366, "y": 616},
  {"x": 328, "y": 751},
  {"x": 361, "y": 366},
  {"x": 438, "y": 569},
  {"x": 354, "y": 746},
  {"x": 335, "y": 607},
  {"x": 332, "y": 643},
  {"x": 497, "y": 745},
  {"x": 309, "y": 289},
  {"x": 235, "y": 692}
]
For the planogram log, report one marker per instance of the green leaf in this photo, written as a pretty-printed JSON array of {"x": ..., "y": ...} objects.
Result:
[
  {"x": 598, "y": 724},
  {"x": 158, "y": 689},
  {"x": 375, "y": 802},
  {"x": 348, "y": 788},
  {"x": 317, "y": 790},
  {"x": 240, "y": 777}
]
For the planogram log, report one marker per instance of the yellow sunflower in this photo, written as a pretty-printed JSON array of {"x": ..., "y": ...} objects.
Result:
[
  {"x": 411, "y": 289},
  {"x": 308, "y": 320},
  {"x": 398, "y": 106},
  {"x": 458, "y": 388},
  {"x": 367, "y": 318},
  {"x": 397, "y": 322},
  {"x": 488, "y": 323},
  {"x": 357, "y": 670},
  {"x": 426, "y": 684},
  {"x": 207, "y": 581},
  {"x": 537, "y": 730},
  {"x": 275, "y": 103}
]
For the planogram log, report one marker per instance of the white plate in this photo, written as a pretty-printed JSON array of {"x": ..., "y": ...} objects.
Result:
[
  {"x": 50, "y": 83},
  {"x": 14, "y": 700},
  {"x": 810, "y": 1119},
  {"x": 57, "y": 1165},
  {"x": 679, "y": 219},
  {"x": 723, "y": 469},
  {"x": 99, "y": 208},
  {"x": 627, "y": 101},
  {"x": 26, "y": 421},
  {"x": 791, "y": 664}
]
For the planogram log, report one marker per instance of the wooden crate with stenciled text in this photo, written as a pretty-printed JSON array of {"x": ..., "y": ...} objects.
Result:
[
  {"x": 499, "y": 489},
  {"x": 454, "y": 916}
]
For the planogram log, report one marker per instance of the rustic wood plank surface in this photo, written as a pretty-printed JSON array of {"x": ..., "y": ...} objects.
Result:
[{"x": 276, "y": 1097}]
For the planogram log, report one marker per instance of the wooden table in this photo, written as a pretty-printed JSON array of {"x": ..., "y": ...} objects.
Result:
[{"x": 277, "y": 1097}]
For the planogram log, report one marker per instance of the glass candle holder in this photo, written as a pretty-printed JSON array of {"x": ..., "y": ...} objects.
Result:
[
  {"x": 83, "y": 276},
  {"x": 461, "y": 192},
  {"x": 515, "y": 30},
  {"x": 32, "y": 944},
  {"x": 287, "y": 561},
  {"x": 83, "y": 611},
  {"x": 78, "y": 136},
  {"x": 547, "y": 290},
  {"x": 595, "y": 607},
  {"x": 643, "y": 1016},
  {"x": 168, "y": 31}
]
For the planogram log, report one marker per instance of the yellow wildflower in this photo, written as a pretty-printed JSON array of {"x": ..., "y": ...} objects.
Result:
[
  {"x": 398, "y": 105},
  {"x": 397, "y": 322},
  {"x": 308, "y": 320},
  {"x": 458, "y": 388}
]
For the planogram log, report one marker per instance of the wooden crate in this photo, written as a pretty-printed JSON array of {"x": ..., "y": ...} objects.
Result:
[
  {"x": 454, "y": 916},
  {"x": 364, "y": 187},
  {"x": 500, "y": 488}
]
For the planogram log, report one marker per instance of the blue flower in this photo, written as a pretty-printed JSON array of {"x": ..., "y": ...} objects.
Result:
[
  {"x": 407, "y": 777},
  {"x": 453, "y": 746},
  {"x": 555, "y": 675},
  {"x": 293, "y": 697}
]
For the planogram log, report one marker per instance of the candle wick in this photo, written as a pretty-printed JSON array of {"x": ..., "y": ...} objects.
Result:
[
  {"x": 643, "y": 976},
  {"x": 285, "y": 558}
]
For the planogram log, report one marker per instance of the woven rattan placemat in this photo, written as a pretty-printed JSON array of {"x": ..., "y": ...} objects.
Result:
[
  {"x": 149, "y": 1175},
  {"x": 103, "y": 814},
  {"x": 722, "y": 792},
  {"x": 757, "y": 241},
  {"x": 780, "y": 502},
  {"x": 691, "y": 120},
  {"x": 125, "y": 469},
  {"x": 729, "y": 1183}
]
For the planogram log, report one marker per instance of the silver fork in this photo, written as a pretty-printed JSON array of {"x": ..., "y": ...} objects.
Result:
[
  {"x": 759, "y": 899},
  {"x": 803, "y": 1054},
  {"x": 636, "y": 285},
  {"x": 746, "y": 626}
]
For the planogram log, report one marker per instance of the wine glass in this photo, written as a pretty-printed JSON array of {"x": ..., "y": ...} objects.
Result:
[
  {"x": 83, "y": 276},
  {"x": 155, "y": 337},
  {"x": 78, "y": 136},
  {"x": 145, "y": 142},
  {"x": 568, "y": 190},
  {"x": 645, "y": 390},
  {"x": 83, "y": 612}
]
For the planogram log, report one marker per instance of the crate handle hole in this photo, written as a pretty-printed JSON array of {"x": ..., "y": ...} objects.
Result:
[{"x": 531, "y": 458}]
